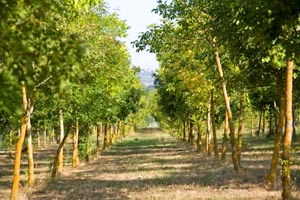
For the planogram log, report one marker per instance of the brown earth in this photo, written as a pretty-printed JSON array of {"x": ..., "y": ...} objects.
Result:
[{"x": 152, "y": 165}]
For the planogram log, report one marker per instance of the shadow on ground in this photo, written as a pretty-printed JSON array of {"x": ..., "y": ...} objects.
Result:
[{"x": 152, "y": 161}]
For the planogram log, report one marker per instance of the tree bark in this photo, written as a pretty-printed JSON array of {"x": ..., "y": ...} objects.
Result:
[
  {"x": 199, "y": 139},
  {"x": 225, "y": 137},
  {"x": 241, "y": 127},
  {"x": 75, "y": 159},
  {"x": 213, "y": 123},
  {"x": 56, "y": 159},
  {"x": 44, "y": 137},
  {"x": 38, "y": 135},
  {"x": 62, "y": 133},
  {"x": 228, "y": 108},
  {"x": 279, "y": 132},
  {"x": 105, "y": 141},
  {"x": 30, "y": 176},
  {"x": 110, "y": 134},
  {"x": 191, "y": 132},
  {"x": 294, "y": 126},
  {"x": 18, "y": 153},
  {"x": 208, "y": 124},
  {"x": 52, "y": 135},
  {"x": 287, "y": 140},
  {"x": 99, "y": 130},
  {"x": 264, "y": 122},
  {"x": 259, "y": 122},
  {"x": 184, "y": 131},
  {"x": 10, "y": 140}
]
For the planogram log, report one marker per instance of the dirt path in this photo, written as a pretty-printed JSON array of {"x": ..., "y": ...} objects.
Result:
[{"x": 152, "y": 165}]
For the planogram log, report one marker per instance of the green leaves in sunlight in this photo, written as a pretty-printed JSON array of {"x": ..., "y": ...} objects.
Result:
[{"x": 69, "y": 56}]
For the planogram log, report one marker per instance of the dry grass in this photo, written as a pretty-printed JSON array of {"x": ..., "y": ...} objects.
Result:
[{"x": 152, "y": 165}]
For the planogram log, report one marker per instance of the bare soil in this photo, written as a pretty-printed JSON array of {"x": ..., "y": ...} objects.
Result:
[{"x": 153, "y": 165}]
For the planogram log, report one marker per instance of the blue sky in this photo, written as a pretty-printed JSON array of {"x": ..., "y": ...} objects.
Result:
[{"x": 138, "y": 15}]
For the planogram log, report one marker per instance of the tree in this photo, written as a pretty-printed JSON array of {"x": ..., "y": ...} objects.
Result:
[{"x": 36, "y": 51}]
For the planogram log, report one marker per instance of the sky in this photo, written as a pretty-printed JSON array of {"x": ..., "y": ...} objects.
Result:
[{"x": 138, "y": 15}]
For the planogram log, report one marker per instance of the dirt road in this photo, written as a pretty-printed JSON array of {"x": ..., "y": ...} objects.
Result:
[{"x": 152, "y": 165}]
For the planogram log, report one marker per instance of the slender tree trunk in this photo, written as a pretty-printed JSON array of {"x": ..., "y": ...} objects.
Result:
[
  {"x": 44, "y": 137},
  {"x": 62, "y": 133},
  {"x": 75, "y": 159},
  {"x": 287, "y": 140},
  {"x": 191, "y": 132},
  {"x": 213, "y": 123},
  {"x": 123, "y": 130},
  {"x": 52, "y": 135},
  {"x": 259, "y": 122},
  {"x": 184, "y": 131},
  {"x": 38, "y": 135},
  {"x": 264, "y": 122},
  {"x": 110, "y": 133},
  {"x": 56, "y": 159},
  {"x": 114, "y": 134},
  {"x": 241, "y": 127},
  {"x": 88, "y": 144},
  {"x": 105, "y": 141},
  {"x": 294, "y": 125},
  {"x": 208, "y": 136},
  {"x": 10, "y": 139},
  {"x": 225, "y": 137},
  {"x": 99, "y": 130},
  {"x": 30, "y": 177},
  {"x": 276, "y": 116},
  {"x": 228, "y": 108},
  {"x": 279, "y": 132},
  {"x": 199, "y": 139},
  {"x": 270, "y": 123},
  {"x": 119, "y": 129},
  {"x": 251, "y": 124},
  {"x": 18, "y": 153}
]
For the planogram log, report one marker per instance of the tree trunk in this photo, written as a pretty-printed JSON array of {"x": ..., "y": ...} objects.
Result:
[
  {"x": 225, "y": 137},
  {"x": 213, "y": 123},
  {"x": 99, "y": 130},
  {"x": 62, "y": 133},
  {"x": 259, "y": 122},
  {"x": 114, "y": 134},
  {"x": 208, "y": 136},
  {"x": 241, "y": 127},
  {"x": 52, "y": 135},
  {"x": 56, "y": 158},
  {"x": 10, "y": 140},
  {"x": 191, "y": 132},
  {"x": 199, "y": 139},
  {"x": 184, "y": 131},
  {"x": 294, "y": 126},
  {"x": 118, "y": 130},
  {"x": 75, "y": 159},
  {"x": 30, "y": 178},
  {"x": 279, "y": 132},
  {"x": 228, "y": 108},
  {"x": 105, "y": 141},
  {"x": 287, "y": 140},
  {"x": 110, "y": 134},
  {"x": 18, "y": 153},
  {"x": 276, "y": 115},
  {"x": 38, "y": 135},
  {"x": 44, "y": 137},
  {"x": 264, "y": 122}
]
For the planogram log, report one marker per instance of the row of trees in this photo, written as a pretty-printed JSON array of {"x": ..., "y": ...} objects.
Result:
[
  {"x": 62, "y": 67},
  {"x": 245, "y": 50}
]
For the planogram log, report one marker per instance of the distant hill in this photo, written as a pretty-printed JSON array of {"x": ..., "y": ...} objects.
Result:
[{"x": 146, "y": 77}]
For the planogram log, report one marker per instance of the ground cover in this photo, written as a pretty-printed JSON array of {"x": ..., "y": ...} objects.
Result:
[{"x": 153, "y": 165}]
